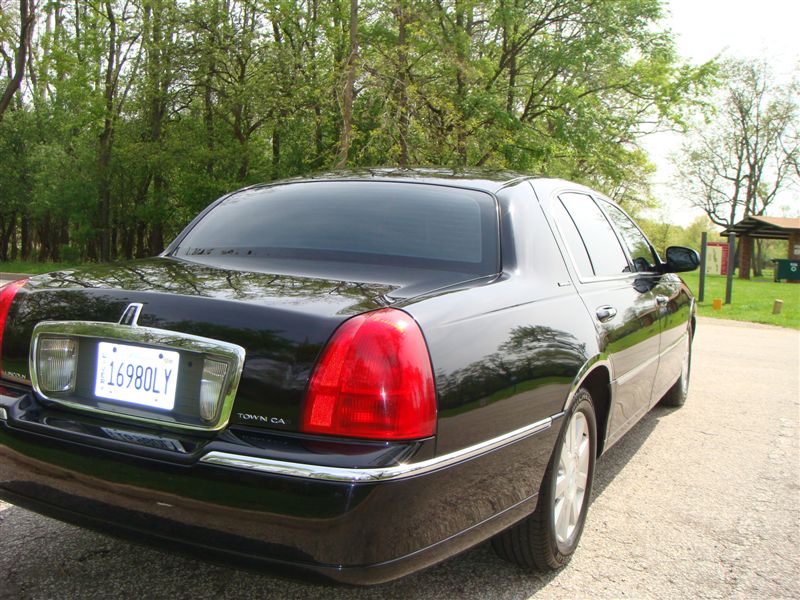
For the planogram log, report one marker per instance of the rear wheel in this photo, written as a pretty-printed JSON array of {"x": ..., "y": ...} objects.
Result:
[
  {"x": 676, "y": 396},
  {"x": 547, "y": 539}
]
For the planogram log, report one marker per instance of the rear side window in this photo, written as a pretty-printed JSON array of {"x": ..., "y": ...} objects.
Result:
[
  {"x": 572, "y": 238},
  {"x": 599, "y": 239},
  {"x": 415, "y": 225},
  {"x": 640, "y": 250}
]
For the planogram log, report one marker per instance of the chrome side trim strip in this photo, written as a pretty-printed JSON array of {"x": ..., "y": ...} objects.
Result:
[
  {"x": 635, "y": 371},
  {"x": 674, "y": 345},
  {"x": 348, "y": 475}
]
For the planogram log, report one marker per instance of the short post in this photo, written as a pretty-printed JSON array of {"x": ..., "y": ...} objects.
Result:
[
  {"x": 702, "y": 287},
  {"x": 716, "y": 304},
  {"x": 731, "y": 267},
  {"x": 777, "y": 306}
]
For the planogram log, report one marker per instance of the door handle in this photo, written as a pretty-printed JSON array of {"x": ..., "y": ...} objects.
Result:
[
  {"x": 606, "y": 313},
  {"x": 662, "y": 300}
]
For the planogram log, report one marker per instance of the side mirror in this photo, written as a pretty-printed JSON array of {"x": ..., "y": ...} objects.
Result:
[{"x": 680, "y": 259}]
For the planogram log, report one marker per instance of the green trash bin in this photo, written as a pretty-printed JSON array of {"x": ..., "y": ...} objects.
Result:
[{"x": 787, "y": 269}]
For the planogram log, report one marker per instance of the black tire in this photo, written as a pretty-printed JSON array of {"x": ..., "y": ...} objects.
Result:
[
  {"x": 676, "y": 396},
  {"x": 533, "y": 543}
]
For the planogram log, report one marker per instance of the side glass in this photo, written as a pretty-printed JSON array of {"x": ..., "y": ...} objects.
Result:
[
  {"x": 644, "y": 259},
  {"x": 601, "y": 242},
  {"x": 573, "y": 240}
]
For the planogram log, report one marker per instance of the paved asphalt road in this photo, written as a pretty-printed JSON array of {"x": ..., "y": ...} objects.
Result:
[{"x": 703, "y": 501}]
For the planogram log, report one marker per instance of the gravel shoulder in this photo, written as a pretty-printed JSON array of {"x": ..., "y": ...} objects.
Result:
[{"x": 703, "y": 501}]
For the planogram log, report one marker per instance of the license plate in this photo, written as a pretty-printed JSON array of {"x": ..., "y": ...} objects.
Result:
[{"x": 143, "y": 376}]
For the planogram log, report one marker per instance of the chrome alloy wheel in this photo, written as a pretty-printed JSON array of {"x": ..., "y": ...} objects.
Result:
[{"x": 571, "y": 479}]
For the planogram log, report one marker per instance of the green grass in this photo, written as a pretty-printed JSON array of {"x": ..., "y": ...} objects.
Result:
[
  {"x": 751, "y": 300},
  {"x": 33, "y": 268}
]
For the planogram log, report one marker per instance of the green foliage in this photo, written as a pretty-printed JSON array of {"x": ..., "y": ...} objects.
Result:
[
  {"x": 137, "y": 114},
  {"x": 663, "y": 234}
]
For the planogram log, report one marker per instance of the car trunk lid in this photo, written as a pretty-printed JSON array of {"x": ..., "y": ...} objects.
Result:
[{"x": 281, "y": 319}]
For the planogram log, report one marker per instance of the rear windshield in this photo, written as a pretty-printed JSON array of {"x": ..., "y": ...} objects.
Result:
[{"x": 405, "y": 224}]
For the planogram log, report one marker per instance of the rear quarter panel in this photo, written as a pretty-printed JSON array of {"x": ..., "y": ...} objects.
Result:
[{"x": 505, "y": 354}]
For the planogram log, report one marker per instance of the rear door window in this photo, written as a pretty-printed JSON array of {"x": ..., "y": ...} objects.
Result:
[
  {"x": 573, "y": 240},
  {"x": 601, "y": 243}
]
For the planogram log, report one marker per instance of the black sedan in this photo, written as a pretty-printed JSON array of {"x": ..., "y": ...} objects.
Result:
[{"x": 353, "y": 376}]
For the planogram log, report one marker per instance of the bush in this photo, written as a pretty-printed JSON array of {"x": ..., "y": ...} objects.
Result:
[{"x": 69, "y": 254}]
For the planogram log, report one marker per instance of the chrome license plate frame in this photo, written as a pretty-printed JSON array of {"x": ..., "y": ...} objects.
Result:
[{"x": 199, "y": 348}]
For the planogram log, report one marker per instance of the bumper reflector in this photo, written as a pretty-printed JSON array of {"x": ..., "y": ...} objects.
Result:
[
  {"x": 214, "y": 372},
  {"x": 3, "y": 414},
  {"x": 56, "y": 363}
]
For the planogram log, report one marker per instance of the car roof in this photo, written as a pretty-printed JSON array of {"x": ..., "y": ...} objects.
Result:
[{"x": 486, "y": 180}]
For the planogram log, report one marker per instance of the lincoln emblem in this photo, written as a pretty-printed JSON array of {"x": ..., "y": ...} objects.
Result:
[{"x": 130, "y": 316}]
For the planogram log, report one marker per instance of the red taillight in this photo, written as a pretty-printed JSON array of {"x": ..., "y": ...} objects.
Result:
[
  {"x": 7, "y": 293},
  {"x": 374, "y": 380}
]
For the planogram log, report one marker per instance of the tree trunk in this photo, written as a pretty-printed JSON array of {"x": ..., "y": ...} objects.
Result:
[
  {"x": 26, "y": 22},
  {"x": 463, "y": 37},
  {"x": 156, "y": 238},
  {"x": 114, "y": 238},
  {"x": 349, "y": 88},
  {"x": 14, "y": 246},
  {"x": 141, "y": 247},
  {"x": 104, "y": 187},
  {"x": 25, "y": 234},
  {"x": 128, "y": 241},
  {"x": 401, "y": 14},
  {"x": 745, "y": 256},
  {"x": 512, "y": 82},
  {"x": 106, "y": 140},
  {"x": 6, "y": 233},
  {"x": 319, "y": 149},
  {"x": 157, "y": 228},
  {"x": 758, "y": 258},
  {"x": 159, "y": 79},
  {"x": 208, "y": 118},
  {"x": 276, "y": 150}
]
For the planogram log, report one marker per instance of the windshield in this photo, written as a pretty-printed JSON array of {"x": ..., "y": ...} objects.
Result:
[{"x": 385, "y": 223}]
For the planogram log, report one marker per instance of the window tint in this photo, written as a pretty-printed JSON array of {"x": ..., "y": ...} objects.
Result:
[
  {"x": 404, "y": 224},
  {"x": 638, "y": 246},
  {"x": 601, "y": 243},
  {"x": 573, "y": 240}
]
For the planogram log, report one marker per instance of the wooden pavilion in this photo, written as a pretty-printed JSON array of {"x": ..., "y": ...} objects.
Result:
[{"x": 768, "y": 228}]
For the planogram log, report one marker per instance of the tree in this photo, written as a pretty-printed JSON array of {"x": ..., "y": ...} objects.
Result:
[
  {"x": 27, "y": 16},
  {"x": 132, "y": 115},
  {"x": 663, "y": 234},
  {"x": 738, "y": 163},
  {"x": 348, "y": 91}
]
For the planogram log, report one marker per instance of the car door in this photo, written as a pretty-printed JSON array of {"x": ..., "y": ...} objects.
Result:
[
  {"x": 621, "y": 300},
  {"x": 673, "y": 302}
]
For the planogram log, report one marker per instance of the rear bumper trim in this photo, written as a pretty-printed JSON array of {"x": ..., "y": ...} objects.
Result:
[{"x": 356, "y": 475}]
